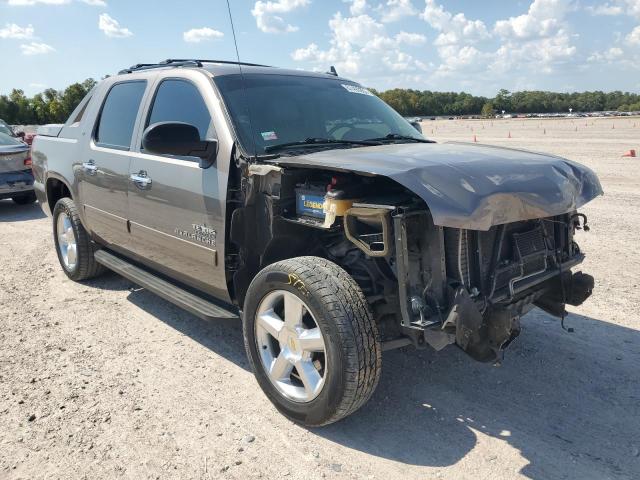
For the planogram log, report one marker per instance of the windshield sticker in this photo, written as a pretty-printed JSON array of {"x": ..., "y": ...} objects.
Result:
[
  {"x": 269, "y": 136},
  {"x": 357, "y": 89}
]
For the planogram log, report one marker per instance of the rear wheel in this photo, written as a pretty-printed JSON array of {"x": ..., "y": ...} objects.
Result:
[
  {"x": 73, "y": 245},
  {"x": 311, "y": 340},
  {"x": 24, "y": 199}
]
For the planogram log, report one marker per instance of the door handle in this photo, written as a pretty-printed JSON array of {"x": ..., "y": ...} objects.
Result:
[
  {"x": 141, "y": 179},
  {"x": 90, "y": 167}
]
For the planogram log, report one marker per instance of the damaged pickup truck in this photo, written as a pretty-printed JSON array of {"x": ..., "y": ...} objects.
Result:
[{"x": 307, "y": 207}]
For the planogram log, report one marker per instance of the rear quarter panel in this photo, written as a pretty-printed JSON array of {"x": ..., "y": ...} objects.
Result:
[
  {"x": 57, "y": 150},
  {"x": 53, "y": 158}
]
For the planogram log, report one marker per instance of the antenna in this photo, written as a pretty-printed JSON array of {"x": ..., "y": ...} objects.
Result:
[
  {"x": 244, "y": 89},
  {"x": 332, "y": 71}
]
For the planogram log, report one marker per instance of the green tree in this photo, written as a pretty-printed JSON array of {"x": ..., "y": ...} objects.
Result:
[{"x": 488, "y": 111}]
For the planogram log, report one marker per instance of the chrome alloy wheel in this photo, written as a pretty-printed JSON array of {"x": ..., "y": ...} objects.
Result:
[
  {"x": 291, "y": 346},
  {"x": 67, "y": 244}
]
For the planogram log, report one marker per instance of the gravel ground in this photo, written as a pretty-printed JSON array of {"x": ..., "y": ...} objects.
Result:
[{"x": 104, "y": 380}]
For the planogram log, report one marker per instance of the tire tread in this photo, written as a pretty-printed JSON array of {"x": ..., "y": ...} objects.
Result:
[
  {"x": 348, "y": 309},
  {"x": 87, "y": 267}
]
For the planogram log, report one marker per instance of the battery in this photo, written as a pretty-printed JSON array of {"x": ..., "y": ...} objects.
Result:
[{"x": 309, "y": 202}]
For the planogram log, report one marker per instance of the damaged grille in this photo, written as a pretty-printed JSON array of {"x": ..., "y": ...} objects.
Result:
[{"x": 496, "y": 260}]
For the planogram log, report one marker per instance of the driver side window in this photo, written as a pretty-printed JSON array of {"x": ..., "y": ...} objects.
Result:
[{"x": 180, "y": 101}]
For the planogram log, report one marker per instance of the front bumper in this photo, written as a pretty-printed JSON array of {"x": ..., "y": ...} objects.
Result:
[{"x": 15, "y": 183}]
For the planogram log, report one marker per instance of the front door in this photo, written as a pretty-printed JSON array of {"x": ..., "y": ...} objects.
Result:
[
  {"x": 104, "y": 172},
  {"x": 175, "y": 210}
]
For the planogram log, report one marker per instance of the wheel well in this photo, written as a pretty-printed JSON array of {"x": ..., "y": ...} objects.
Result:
[{"x": 56, "y": 189}]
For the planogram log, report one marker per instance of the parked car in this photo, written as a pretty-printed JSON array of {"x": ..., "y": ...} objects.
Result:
[
  {"x": 16, "y": 179},
  {"x": 304, "y": 205},
  {"x": 6, "y": 129}
]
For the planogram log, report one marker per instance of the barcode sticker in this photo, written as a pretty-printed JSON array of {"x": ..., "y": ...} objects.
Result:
[{"x": 357, "y": 89}]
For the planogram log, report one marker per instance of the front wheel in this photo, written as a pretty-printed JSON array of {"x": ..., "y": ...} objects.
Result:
[{"x": 311, "y": 340}]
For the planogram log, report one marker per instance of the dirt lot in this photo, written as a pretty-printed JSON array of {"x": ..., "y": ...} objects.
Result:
[{"x": 104, "y": 380}]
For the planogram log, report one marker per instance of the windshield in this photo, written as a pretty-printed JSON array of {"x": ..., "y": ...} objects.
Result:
[
  {"x": 287, "y": 109},
  {"x": 4, "y": 128},
  {"x": 9, "y": 140}
]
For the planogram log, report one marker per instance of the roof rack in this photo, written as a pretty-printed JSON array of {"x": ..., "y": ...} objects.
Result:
[{"x": 182, "y": 62}]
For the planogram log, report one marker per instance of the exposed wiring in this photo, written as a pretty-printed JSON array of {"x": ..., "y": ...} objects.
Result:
[{"x": 564, "y": 295}]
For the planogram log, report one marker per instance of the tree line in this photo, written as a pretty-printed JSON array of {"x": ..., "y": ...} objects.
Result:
[
  {"x": 428, "y": 103},
  {"x": 55, "y": 106},
  {"x": 50, "y": 106}
]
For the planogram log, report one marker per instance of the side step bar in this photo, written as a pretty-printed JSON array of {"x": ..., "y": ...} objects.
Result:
[{"x": 176, "y": 295}]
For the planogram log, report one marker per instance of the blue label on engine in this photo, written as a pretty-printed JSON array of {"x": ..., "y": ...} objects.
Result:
[{"x": 309, "y": 204}]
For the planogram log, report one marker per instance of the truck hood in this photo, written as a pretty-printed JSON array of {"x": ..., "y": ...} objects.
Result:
[{"x": 470, "y": 186}]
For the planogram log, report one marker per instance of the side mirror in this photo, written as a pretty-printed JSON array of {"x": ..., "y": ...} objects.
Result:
[
  {"x": 417, "y": 126},
  {"x": 20, "y": 134},
  {"x": 181, "y": 139}
]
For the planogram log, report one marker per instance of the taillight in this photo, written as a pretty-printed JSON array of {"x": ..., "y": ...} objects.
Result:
[{"x": 27, "y": 161}]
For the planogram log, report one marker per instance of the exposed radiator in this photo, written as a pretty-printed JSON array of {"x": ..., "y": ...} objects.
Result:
[{"x": 526, "y": 250}]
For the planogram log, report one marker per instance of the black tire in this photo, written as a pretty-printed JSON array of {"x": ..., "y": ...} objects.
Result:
[
  {"x": 86, "y": 266},
  {"x": 24, "y": 199},
  {"x": 350, "y": 333}
]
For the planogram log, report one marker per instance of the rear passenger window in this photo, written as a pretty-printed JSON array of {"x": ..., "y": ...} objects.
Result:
[
  {"x": 118, "y": 116},
  {"x": 80, "y": 114},
  {"x": 180, "y": 101}
]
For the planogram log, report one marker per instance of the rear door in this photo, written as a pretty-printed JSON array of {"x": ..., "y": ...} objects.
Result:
[
  {"x": 175, "y": 207},
  {"x": 103, "y": 175}
]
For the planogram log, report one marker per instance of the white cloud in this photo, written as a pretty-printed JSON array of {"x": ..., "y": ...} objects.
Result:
[
  {"x": 395, "y": 10},
  {"x": 35, "y": 48},
  {"x": 610, "y": 55},
  {"x": 111, "y": 27},
  {"x": 410, "y": 38},
  {"x": 616, "y": 7},
  {"x": 358, "y": 30},
  {"x": 13, "y": 31},
  {"x": 634, "y": 37},
  {"x": 20, "y": 3},
  {"x": 358, "y": 7},
  {"x": 29, "y": 3},
  {"x": 197, "y": 35},
  {"x": 361, "y": 45},
  {"x": 458, "y": 40},
  {"x": 537, "y": 41},
  {"x": 544, "y": 18},
  {"x": 455, "y": 29},
  {"x": 606, "y": 9},
  {"x": 267, "y": 14}
]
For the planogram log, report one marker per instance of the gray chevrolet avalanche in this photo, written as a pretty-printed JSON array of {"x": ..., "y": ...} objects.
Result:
[{"x": 307, "y": 207}]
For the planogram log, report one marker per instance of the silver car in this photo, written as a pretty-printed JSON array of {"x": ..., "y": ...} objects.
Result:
[{"x": 16, "y": 178}]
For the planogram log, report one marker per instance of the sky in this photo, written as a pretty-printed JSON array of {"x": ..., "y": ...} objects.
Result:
[{"x": 477, "y": 46}]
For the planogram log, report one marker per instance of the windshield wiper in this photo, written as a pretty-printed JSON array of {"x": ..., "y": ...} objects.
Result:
[
  {"x": 314, "y": 141},
  {"x": 397, "y": 136}
]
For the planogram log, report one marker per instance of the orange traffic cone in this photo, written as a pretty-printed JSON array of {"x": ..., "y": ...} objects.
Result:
[{"x": 630, "y": 153}]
